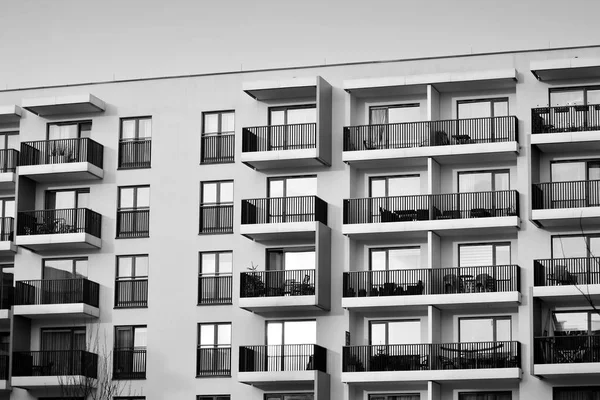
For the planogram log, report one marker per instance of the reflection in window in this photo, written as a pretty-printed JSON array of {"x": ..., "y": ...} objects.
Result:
[
  {"x": 487, "y": 329},
  {"x": 576, "y": 323},
  {"x": 395, "y": 332},
  {"x": 66, "y": 268}
]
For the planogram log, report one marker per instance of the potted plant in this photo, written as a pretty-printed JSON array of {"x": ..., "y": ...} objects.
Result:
[
  {"x": 252, "y": 285},
  {"x": 60, "y": 155},
  {"x": 354, "y": 364}
]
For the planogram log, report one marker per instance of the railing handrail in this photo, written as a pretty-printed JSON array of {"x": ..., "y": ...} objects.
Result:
[
  {"x": 431, "y": 195},
  {"x": 278, "y": 126},
  {"x": 429, "y": 122},
  {"x": 284, "y": 197},
  {"x": 426, "y": 269},
  {"x": 566, "y": 182},
  {"x": 29, "y": 142},
  {"x": 57, "y": 209},
  {"x": 52, "y": 291}
]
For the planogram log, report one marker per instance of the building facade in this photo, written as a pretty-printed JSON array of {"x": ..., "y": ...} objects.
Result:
[{"x": 415, "y": 229}]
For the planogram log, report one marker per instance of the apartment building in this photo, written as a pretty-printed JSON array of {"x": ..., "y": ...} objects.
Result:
[{"x": 422, "y": 229}]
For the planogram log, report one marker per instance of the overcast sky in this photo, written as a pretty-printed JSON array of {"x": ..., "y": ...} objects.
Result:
[{"x": 70, "y": 41}]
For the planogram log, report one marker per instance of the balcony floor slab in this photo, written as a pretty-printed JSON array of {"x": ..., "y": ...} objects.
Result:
[
  {"x": 46, "y": 311},
  {"x": 443, "y": 154},
  {"x": 7, "y": 248},
  {"x": 68, "y": 172},
  {"x": 7, "y": 180},
  {"x": 566, "y": 370},
  {"x": 59, "y": 242},
  {"x": 567, "y": 293},
  {"x": 281, "y": 380},
  {"x": 42, "y": 382},
  {"x": 280, "y": 303},
  {"x": 448, "y": 227},
  {"x": 566, "y": 141},
  {"x": 278, "y": 231},
  {"x": 443, "y": 301},
  {"x": 567, "y": 217},
  {"x": 264, "y": 160},
  {"x": 505, "y": 374}
]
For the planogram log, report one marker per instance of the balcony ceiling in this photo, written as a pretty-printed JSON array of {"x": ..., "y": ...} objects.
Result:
[
  {"x": 10, "y": 114},
  {"x": 64, "y": 105},
  {"x": 567, "y": 68},
  {"x": 294, "y": 88},
  {"x": 443, "y": 82}
]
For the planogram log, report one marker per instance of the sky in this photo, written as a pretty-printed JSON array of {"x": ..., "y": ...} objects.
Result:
[{"x": 51, "y": 42}]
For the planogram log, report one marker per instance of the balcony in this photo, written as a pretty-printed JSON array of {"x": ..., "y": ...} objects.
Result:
[
  {"x": 59, "y": 230},
  {"x": 131, "y": 293},
  {"x": 290, "y": 290},
  {"x": 441, "y": 287},
  {"x": 297, "y": 365},
  {"x": 445, "y": 214},
  {"x": 566, "y": 204},
  {"x": 129, "y": 363},
  {"x": 564, "y": 279},
  {"x": 294, "y": 145},
  {"x": 566, "y": 128},
  {"x": 74, "y": 298},
  {"x": 213, "y": 361},
  {"x": 62, "y": 160},
  {"x": 567, "y": 356},
  {"x": 133, "y": 223},
  {"x": 217, "y": 149},
  {"x": 431, "y": 362},
  {"x": 476, "y": 139},
  {"x": 214, "y": 289},
  {"x": 9, "y": 159},
  {"x": 64, "y": 105},
  {"x": 276, "y": 218},
  {"x": 53, "y": 368},
  {"x": 135, "y": 154},
  {"x": 10, "y": 114},
  {"x": 7, "y": 244},
  {"x": 216, "y": 219}
]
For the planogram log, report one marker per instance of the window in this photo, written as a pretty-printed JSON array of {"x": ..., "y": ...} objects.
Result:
[
  {"x": 385, "y": 261},
  {"x": 576, "y": 393},
  {"x": 574, "y": 246},
  {"x": 292, "y": 127},
  {"x": 60, "y": 351},
  {"x": 65, "y": 212},
  {"x": 291, "y": 198},
  {"x": 133, "y": 214},
  {"x": 395, "y": 332},
  {"x": 6, "y": 287},
  {"x": 290, "y": 340},
  {"x": 218, "y": 137},
  {"x": 216, "y": 397},
  {"x": 129, "y": 356},
  {"x": 384, "y": 189},
  {"x": 9, "y": 143},
  {"x": 491, "y": 198},
  {"x": 297, "y": 271},
  {"x": 484, "y": 329},
  {"x": 131, "y": 286},
  {"x": 7, "y": 217},
  {"x": 394, "y": 397},
  {"x": 214, "y": 350},
  {"x": 495, "y": 130},
  {"x": 215, "y": 277},
  {"x": 383, "y": 136},
  {"x": 584, "y": 189},
  {"x": 485, "y": 396},
  {"x": 289, "y": 396},
  {"x": 216, "y": 208},
  {"x": 69, "y": 130},
  {"x": 576, "y": 323},
  {"x": 135, "y": 143},
  {"x": 483, "y": 254},
  {"x": 482, "y": 108},
  {"x": 65, "y": 268},
  {"x": 483, "y": 181},
  {"x": 574, "y": 96}
]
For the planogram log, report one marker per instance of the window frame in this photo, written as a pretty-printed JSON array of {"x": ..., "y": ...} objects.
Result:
[
  {"x": 493, "y": 244},
  {"x": 586, "y": 237},
  {"x": 4, "y": 135},
  {"x": 137, "y": 128},
  {"x": 387, "y": 178},
  {"x": 494, "y": 318},
  {"x": 214, "y": 347},
  {"x": 135, "y": 198},
  {"x": 387, "y": 255},
  {"x": 72, "y": 331},
  {"x": 79, "y": 124},
  {"x": 492, "y": 172},
  {"x": 386, "y": 322},
  {"x": 285, "y": 180},
  {"x": 76, "y": 193},
  {"x": 586, "y": 311},
  {"x": 387, "y": 109},
  {"x": 220, "y": 122},
  {"x": 73, "y": 264},
  {"x": 284, "y": 250},
  {"x": 132, "y": 328},
  {"x": 287, "y": 108},
  {"x": 218, "y": 192},
  {"x": 491, "y": 100},
  {"x": 583, "y": 88}
]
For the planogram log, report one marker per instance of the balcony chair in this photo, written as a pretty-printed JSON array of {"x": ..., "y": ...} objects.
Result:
[
  {"x": 306, "y": 288},
  {"x": 447, "y": 363},
  {"x": 480, "y": 213},
  {"x": 485, "y": 283},
  {"x": 562, "y": 276},
  {"x": 450, "y": 283},
  {"x": 388, "y": 216}
]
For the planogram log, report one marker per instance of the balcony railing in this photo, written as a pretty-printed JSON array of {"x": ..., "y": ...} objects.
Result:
[
  {"x": 216, "y": 218},
  {"x": 62, "y": 151},
  {"x": 218, "y": 149},
  {"x": 49, "y": 222},
  {"x": 567, "y": 271},
  {"x": 278, "y": 283},
  {"x": 410, "y": 282},
  {"x": 567, "y": 349},
  {"x": 565, "y": 119},
  {"x": 57, "y": 291},
  {"x": 277, "y": 210},
  {"x": 4, "y": 359},
  {"x": 133, "y": 223},
  {"x": 430, "y": 357},
  {"x": 55, "y": 363},
  {"x": 7, "y": 225},
  {"x": 279, "y": 137},
  {"x": 431, "y": 133},
  {"x": 129, "y": 363},
  {"x": 576, "y": 194},
  {"x": 424, "y": 207},
  {"x": 214, "y": 289},
  {"x": 131, "y": 293},
  {"x": 9, "y": 160},
  {"x": 7, "y": 298},
  {"x": 289, "y": 357},
  {"x": 135, "y": 153},
  {"x": 213, "y": 361}
]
